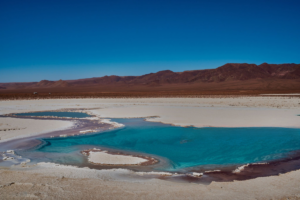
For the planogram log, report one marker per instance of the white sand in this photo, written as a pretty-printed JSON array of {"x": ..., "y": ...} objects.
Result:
[
  {"x": 199, "y": 112},
  {"x": 17, "y": 106},
  {"x": 208, "y": 116},
  {"x": 105, "y": 158},
  {"x": 12, "y": 128},
  {"x": 50, "y": 181}
]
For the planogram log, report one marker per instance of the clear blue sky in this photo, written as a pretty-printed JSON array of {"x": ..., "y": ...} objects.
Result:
[{"x": 57, "y": 39}]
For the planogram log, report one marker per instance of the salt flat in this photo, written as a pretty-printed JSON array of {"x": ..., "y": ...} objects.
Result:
[
  {"x": 105, "y": 158},
  {"x": 201, "y": 116},
  {"x": 50, "y": 181},
  {"x": 15, "y": 106},
  {"x": 13, "y": 128},
  {"x": 198, "y": 112}
]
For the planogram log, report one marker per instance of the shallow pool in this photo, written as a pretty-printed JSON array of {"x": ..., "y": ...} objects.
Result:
[{"x": 180, "y": 147}]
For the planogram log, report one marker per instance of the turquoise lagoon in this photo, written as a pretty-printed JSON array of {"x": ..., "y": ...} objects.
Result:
[
  {"x": 56, "y": 114},
  {"x": 181, "y": 148}
]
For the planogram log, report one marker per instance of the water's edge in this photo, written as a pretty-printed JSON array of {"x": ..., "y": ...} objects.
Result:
[{"x": 275, "y": 167}]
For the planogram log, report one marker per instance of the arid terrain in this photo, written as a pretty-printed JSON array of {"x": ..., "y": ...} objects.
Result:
[
  {"x": 233, "y": 95},
  {"x": 229, "y": 79},
  {"x": 52, "y": 181}
]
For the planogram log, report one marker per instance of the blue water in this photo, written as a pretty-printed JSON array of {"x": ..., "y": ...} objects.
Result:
[
  {"x": 56, "y": 114},
  {"x": 186, "y": 147}
]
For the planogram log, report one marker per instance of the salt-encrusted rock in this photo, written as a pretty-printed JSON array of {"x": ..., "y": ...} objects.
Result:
[
  {"x": 86, "y": 131},
  {"x": 114, "y": 124},
  {"x": 239, "y": 169},
  {"x": 10, "y": 151},
  {"x": 211, "y": 171},
  {"x": 63, "y": 136},
  {"x": 8, "y": 158},
  {"x": 154, "y": 173},
  {"x": 195, "y": 174}
]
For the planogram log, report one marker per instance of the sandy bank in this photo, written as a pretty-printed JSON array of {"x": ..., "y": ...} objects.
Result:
[
  {"x": 50, "y": 181},
  {"x": 12, "y": 128},
  {"x": 17, "y": 106},
  {"x": 200, "y": 112},
  {"x": 208, "y": 116}
]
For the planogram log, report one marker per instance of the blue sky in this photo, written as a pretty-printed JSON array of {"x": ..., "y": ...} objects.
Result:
[{"x": 56, "y": 39}]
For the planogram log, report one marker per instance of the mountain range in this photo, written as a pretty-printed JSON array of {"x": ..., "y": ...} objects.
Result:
[{"x": 231, "y": 76}]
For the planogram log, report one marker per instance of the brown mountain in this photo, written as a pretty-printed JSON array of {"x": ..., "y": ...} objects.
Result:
[
  {"x": 46, "y": 83},
  {"x": 227, "y": 78},
  {"x": 227, "y": 72}
]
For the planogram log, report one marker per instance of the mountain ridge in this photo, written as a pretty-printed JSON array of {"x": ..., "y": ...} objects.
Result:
[
  {"x": 228, "y": 77},
  {"x": 229, "y": 71}
]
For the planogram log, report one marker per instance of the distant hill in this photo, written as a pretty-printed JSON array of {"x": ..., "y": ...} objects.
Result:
[
  {"x": 231, "y": 76},
  {"x": 226, "y": 72}
]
